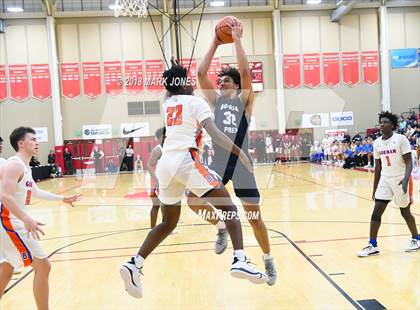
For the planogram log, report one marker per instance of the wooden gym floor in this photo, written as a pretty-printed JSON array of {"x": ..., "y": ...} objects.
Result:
[{"x": 318, "y": 218}]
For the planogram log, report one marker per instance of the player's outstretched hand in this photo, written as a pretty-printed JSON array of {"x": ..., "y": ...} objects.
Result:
[
  {"x": 69, "y": 200},
  {"x": 246, "y": 162},
  {"x": 237, "y": 29},
  {"x": 175, "y": 62},
  {"x": 404, "y": 183},
  {"x": 33, "y": 228}
]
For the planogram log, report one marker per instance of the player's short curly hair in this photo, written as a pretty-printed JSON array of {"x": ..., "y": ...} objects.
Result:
[
  {"x": 391, "y": 116},
  {"x": 233, "y": 73},
  {"x": 175, "y": 79}
]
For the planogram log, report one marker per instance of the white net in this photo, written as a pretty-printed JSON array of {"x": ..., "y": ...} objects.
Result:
[{"x": 130, "y": 8}]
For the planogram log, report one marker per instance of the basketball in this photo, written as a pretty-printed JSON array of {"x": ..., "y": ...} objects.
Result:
[{"x": 223, "y": 31}]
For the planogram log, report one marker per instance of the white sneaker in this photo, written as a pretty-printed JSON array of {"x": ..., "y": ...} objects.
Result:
[
  {"x": 243, "y": 270},
  {"x": 130, "y": 273},
  {"x": 413, "y": 246},
  {"x": 370, "y": 250}
]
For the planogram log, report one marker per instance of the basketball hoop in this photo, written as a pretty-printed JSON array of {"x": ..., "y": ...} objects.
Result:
[{"x": 130, "y": 8}]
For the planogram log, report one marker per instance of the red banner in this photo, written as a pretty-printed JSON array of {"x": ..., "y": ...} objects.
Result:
[
  {"x": 41, "y": 81},
  {"x": 291, "y": 69},
  {"x": 311, "y": 70},
  {"x": 3, "y": 84},
  {"x": 154, "y": 73},
  {"x": 350, "y": 61},
  {"x": 192, "y": 69},
  {"x": 113, "y": 78},
  {"x": 331, "y": 64},
  {"x": 134, "y": 76},
  {"x": 256, "y": 69},
  {"x": 91, "y": 79},
  {"x": 370, "y": 67},
  {"x": 214, "y": 69},
  {"x": 18, "y": 75},
  {"x": 70, "y": 80}
]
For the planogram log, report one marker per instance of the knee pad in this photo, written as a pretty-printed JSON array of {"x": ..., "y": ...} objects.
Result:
[{"x": 376, "y": 217}]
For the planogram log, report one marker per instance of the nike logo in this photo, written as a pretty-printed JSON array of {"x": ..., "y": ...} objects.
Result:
[{"x": 127, "y": 132}]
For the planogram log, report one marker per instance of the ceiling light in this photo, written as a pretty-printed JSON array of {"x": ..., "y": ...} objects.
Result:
[
  {"x": 313, "y": 1},
  {"x": 14, "y": 10},
  {"x": 217, "y": 3},
  {"x": 114, "y": 7}
]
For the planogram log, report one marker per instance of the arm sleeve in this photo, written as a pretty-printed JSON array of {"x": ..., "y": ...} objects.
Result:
[
  {"x": 41, "y": 194},
  {"x": 405, "y": 145},
  {"x": 201, "y": 110},
  {"x": 376, "y": 153}
]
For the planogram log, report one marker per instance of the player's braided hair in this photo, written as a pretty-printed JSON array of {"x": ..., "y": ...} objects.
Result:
[
  {"x": 391, "y": 116},
  {"x": 233, "y": 73}
]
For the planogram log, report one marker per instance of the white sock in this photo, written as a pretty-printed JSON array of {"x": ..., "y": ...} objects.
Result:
[
  {"x": 267, "y": 256},
  {"x": 221, "y": 225},
  {"x": 139, "y": 261},
  {"x": 239, "y": 254}
]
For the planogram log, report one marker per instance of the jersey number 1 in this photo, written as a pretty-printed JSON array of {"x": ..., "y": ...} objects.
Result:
[
  {"x": 388, "y": 162},
  {"x": 28, "y": 198},
  {"x": 174, "y": 115}
]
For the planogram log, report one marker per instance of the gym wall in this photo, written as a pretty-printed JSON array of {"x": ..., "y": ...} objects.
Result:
[
  {"x": 25, "y": 42},
  {"x": 313, "y": 32},
  {"x": 404, "y": 32}
]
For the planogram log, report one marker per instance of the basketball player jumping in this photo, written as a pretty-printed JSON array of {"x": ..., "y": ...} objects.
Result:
[
  {"x": 17, "y": 245},
  {"x": 180, "y": 169},
  {"x": 232, "y": 113},
  {"x": 393, "y": 166}
]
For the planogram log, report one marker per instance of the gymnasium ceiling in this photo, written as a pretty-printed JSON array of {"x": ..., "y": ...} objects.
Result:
[{"x": 102, "y": 6}]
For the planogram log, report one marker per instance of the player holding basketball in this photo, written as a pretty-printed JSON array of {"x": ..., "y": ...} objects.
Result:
[
  {"x": 393, "y": 166},
  {"x": 151, "y": 177},
  {"x": 232, "y": 111},
  {"x": 17, "y": 245},
  {"x": 180, "y": 169}
]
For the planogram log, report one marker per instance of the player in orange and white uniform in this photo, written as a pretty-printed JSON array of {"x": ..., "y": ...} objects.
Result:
[
  {"x": 180, "y": 169},
  {"x": 393, "y": 181},
  {"x": 18, "y": 246}
]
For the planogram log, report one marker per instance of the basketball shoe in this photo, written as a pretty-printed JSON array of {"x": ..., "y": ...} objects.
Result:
[
  {"x": 243, "y": 270},
  {"x": 221, "y": 242},
  {"x": 414, "y": 245},
  {"x": 370, "y": 250},
  {"x": 130, "y": 273}
]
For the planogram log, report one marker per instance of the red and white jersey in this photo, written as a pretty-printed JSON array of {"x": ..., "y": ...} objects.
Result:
[
  {"x": 23, "y": 191},
  {"x": 2, "y": 161},
  {"x": 183, "y": 115},
  {"x": 391, "y": 152}
]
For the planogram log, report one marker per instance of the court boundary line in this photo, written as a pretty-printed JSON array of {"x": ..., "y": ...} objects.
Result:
[
  {"x": 322, "y": 272},
  {"x": 325, "y": 275}
]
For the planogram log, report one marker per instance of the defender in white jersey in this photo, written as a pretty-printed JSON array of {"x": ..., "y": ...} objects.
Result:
[
  {"x": 180, "y": 169},
  {"x": 393, "y": 181},
  {"x": 18, "y": 247}
]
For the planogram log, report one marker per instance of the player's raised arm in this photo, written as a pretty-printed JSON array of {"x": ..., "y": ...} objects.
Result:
[
  {"x": 247, "y": 94},
  {"x": 206, "y": 84}
]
